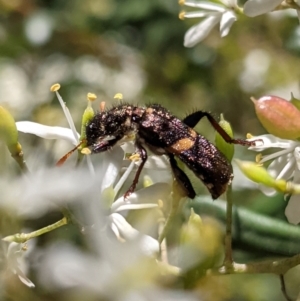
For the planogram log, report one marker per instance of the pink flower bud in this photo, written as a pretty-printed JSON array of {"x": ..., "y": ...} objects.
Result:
[{"x": 278, "y": 116}]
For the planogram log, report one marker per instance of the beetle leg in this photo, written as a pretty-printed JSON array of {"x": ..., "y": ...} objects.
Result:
[
  {"x": 182, "y": 178},
  {"x": 143, "y": 155},
  {"x": 192, "y": 119}
]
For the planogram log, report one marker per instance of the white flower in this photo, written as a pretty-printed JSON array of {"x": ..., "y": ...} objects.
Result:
[
  {"x": 109, "y": 183},
  {"x": 47, "y": 132},
  {"x": 223, "y": 13},
  {"x": 14, "y": 257},
  {"x": 115, "y": 272},
  {"x": 285, "y": 165},
  {"x": 253, "y": 8},
  {"x": 141, "y": 199}
]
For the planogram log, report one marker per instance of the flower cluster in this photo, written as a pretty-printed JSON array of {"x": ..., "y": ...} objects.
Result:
[
  {"x": 281, "y": 119},
  {"x": 225, "y": 12},
  {"x": 102, "y": 185}
]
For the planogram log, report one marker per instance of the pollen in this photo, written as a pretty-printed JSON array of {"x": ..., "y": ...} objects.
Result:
[
  {"x": 249, "y": 136},
  {"x": 258, "y": 158},
  {"x": 134, "y": 157},
  {"x": 91, "y": 96},
  {"x": 55, "y": 87},
  {"x": 160, "y": 204},
  {"x": 25, "y": 247},
  {"x": 181, "y": 2},
  {"x": 130, "y": 137},
  {"x": 118, "y": 96},
  {"x": 86, "y": 151},
  {"x": 181, "y": 15}
]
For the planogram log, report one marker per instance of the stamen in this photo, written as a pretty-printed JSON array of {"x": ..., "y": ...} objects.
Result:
[
  {"x": 135, "y": 157},
  {"x": 130, "y": 137},
  {"x": 119, "y": 96},
  {"x": 249, "y": 136},
  {"x": 286, "y": 168},
  {"x": 258, "y": 158},
  {"x": 197, "y": 14},
  {"x": 67, "y": 114},
  {"x": 91, "y": 97},
  {"x": 181, "y": 15},
  {"x": 160, "y": 204},
  {"x": 275, "y": 155},
  {"x": 124, "y": 177},
  {"x": 86, "y": 151},
  {"x": 24, "y": 247},
  {"x": 55, "y": 87},
  {"x": 181, "y": 2}
]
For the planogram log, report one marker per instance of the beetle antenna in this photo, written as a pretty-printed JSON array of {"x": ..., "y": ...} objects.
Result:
[{"x": 62, "y": 160}]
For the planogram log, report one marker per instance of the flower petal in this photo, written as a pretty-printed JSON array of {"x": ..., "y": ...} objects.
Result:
[
  {"x": 148, "y": 244},
  {"x": 46, "y": 132},
  {"x": 67, "y": 114},
  {"x": 199, "y": 14},
  {"x": 135, "y": 207},
  {"x": 205, "y": 5},
  {"x": 269, "y": 141},
  {"x": 228, "y": 18},
  {"x": 297, "y": 156},
  {"x": 23, "y": 278},
  {"x": 200, "y": 31},
  {"x": 149, "y": 195},
  {"x": 157, "y": 162},
  {"x": 111, "y": 164},
  {"x": 230, "y": 3},
  {"x": 268, "y": 191},
  {"x": 292, "y": 210},
  {"x": 14, "y": 255},
  {"x": 253, "y": 8},
  {"x": 276, "y": 167}
]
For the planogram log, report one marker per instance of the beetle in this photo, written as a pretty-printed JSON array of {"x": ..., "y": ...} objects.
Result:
[{"x": 156, "y": 129}]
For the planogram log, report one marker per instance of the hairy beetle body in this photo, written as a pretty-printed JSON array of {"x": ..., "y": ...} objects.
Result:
[{"x": 160, "y": 131}]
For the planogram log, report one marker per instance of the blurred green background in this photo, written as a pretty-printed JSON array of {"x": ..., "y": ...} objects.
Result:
[{"x": 136, "y": 47}]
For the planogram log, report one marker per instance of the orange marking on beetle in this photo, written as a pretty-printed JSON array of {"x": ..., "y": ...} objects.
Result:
[
  {"x": 193, "y": 133},
  {"x": 149, "y": 110},
  {"x": 181, "y": 145}
]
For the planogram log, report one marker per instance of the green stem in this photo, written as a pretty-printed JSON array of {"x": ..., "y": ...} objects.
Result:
[
  {"x": 279, "y": 267},
  {"x": 23, "y": 237},
  {"x": 228, "y": 236},
  {"x": 253, "y": 229}
]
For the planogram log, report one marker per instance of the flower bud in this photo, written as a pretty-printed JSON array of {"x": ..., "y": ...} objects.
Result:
[
  {"x": 256, "y": 173},
  {"x": 9, "y": 132},
  {"x": 278, "y": 116},
  {"x": 201, "y": 243},
  {"x": 191, "y": 232},
  {"x": 226, "y": 148}
]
